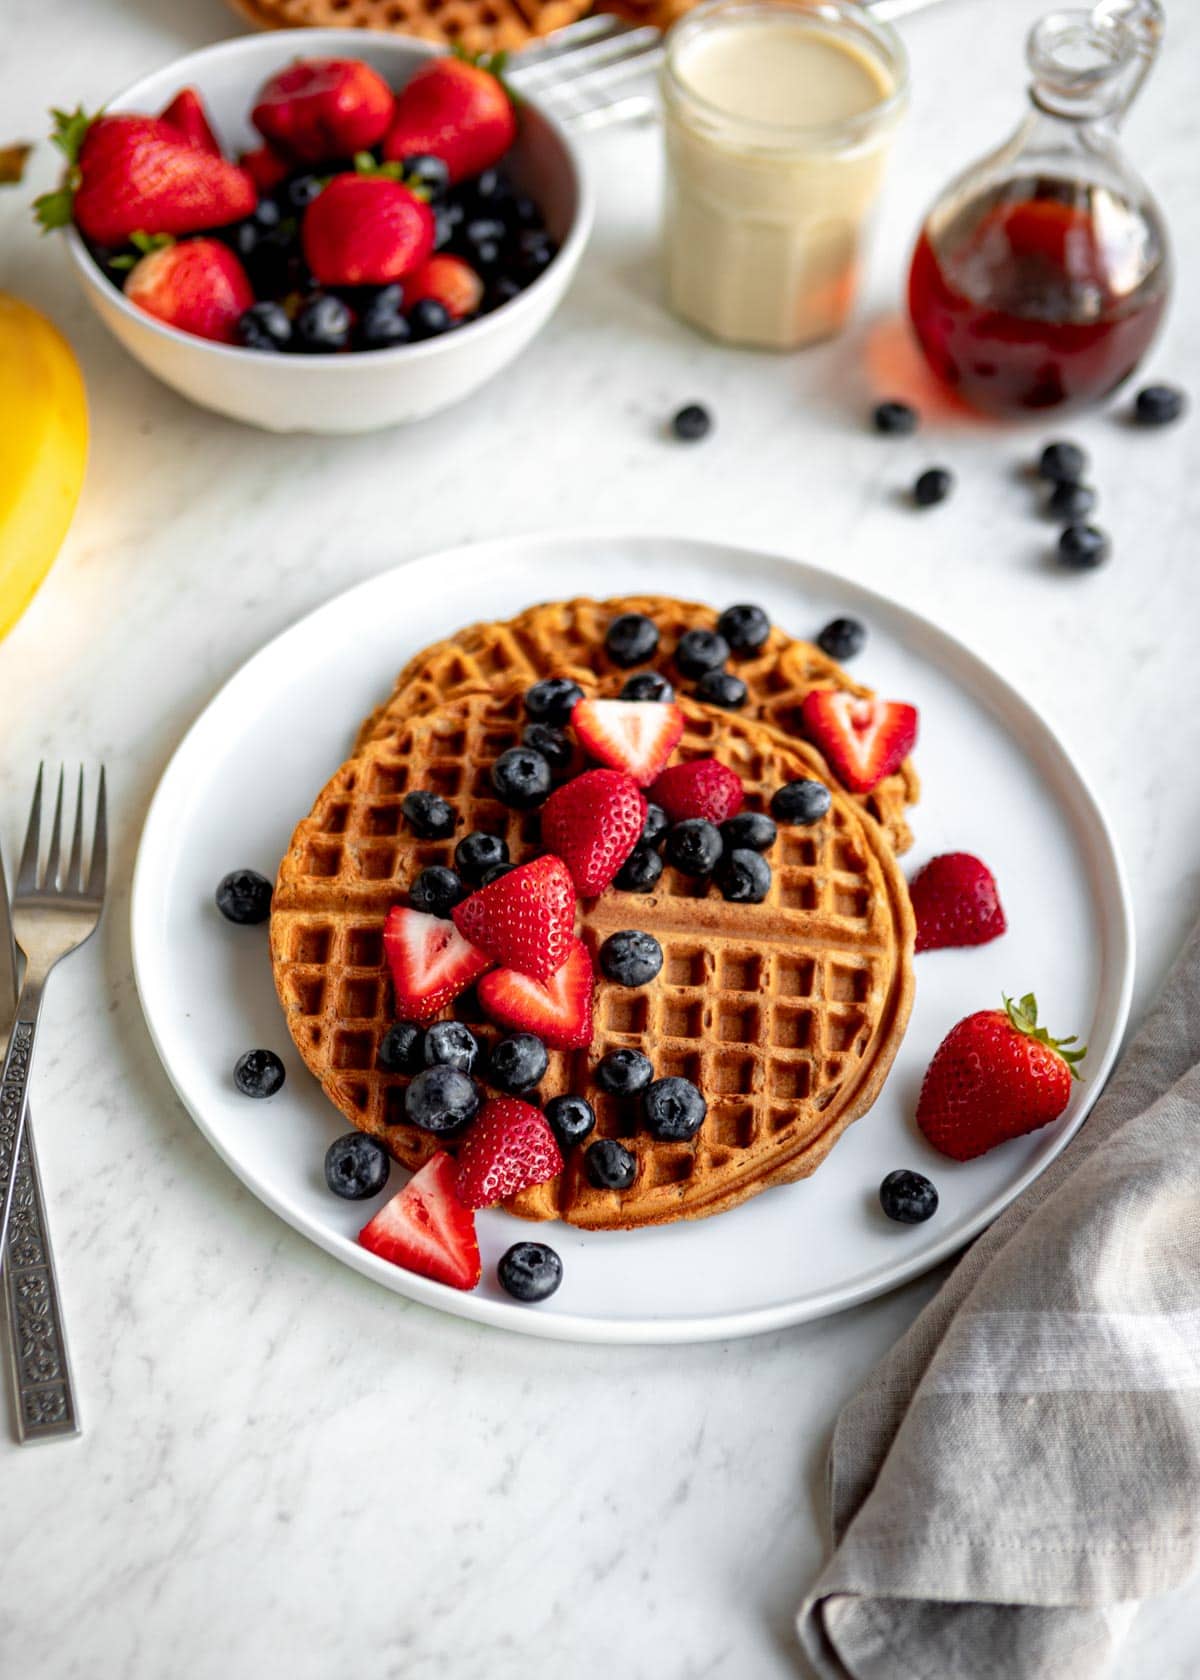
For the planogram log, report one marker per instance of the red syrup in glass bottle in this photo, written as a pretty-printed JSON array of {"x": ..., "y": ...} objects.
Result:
[{"x": 1041, "y": 276}]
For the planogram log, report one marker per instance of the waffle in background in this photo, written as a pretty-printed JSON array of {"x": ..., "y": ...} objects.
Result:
[{"x": 475, "y": 25}]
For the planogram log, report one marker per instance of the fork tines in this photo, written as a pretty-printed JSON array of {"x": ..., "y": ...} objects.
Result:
[{"x": 32, "y": 883}]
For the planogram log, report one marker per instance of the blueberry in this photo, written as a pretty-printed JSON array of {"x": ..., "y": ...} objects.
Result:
[
  {"x": 933, "y": 486},
  {"x": 745, "y": 627},
  {"x": 441, "y": 1099},
  {"x": 450, "y": 1044},
  {"x": 424, "y": 170},
  {"x": 673, "y": 1109},
  {"x": 1062, "y": 463},
  {"x": 1158, "y": 405},
  {"x": 427, "y": 318},
  {"x": 490, "y": 185},
  {"x": 534, "y": 253},
  {"x": 640, "y": 871},
  {"x": 630, "y": 958},
  {"x": 264, "y": 326},
  {"x": 1083, "y": 546},
  {"x": 623, "y": 1073},
  {"x": 259, "y": 1073},
  {"x": 428, "y": 814},
  {"x": 552, "y": 701},
  {"x": 722, "y": 688},
  {"x": 656, "y": 825},
  {"x": 1070, "y": 503},
  {"x": 383, "y": 325},
  {"x": 447, "y": 219},
  {"x": 517, "y": 1063},
  {"x": 700, "y": 651},
  {"x": 402, "y": 1048},
  {"x": 299, "y": 192},
  {"x": 743, "y": 876},
  {"x": 908, "y": 1197},
  {"x": 571, "y": 1119},
  {"x": 529, "y": 1271},
  {"x": 802, "y": 801},
  {"x": 894, "y": 419},
  {"x": 631, "y": 638},
  {"x": 502, "y": 289},
  {"x": 436, "y": 891},
  {"x": 521, "y": 778},
  {"x": 323, "y": 325},
  {"x": 495, "y": 873},
  {"x": 842, "y": 638},
  {"x": 609, "y": 1165},
  {"x": 484, "y": 231},
  {"x": 244, "y": 896},
  {"x": 477, "y": 852},
  {"x": 749, "y": 829},
  {"x": 692, "y": 423},
  {"x": 553, "y": 745},
  {"x": 525, "y": 212},
  {"x": 694, "y": 846},
  {"x": 647, "y": 685},
  {"x": 356, "y": 1166}
]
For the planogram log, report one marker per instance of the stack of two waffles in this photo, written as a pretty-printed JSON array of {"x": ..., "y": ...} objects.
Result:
[{"x": 786, "y": 1015}]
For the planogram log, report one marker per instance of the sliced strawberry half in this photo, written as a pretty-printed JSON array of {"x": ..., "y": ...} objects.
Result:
[
  {"x": 637, "y": 736},
  {"x": 426, "y": 1229},
  {"x": 593, "y": 822},
  {"x": 703, "y": 788},
  {"x": 559, "y": 1011},
  {"x": 431, "y": 962},
  {"x": 509, "y": 1147},
  {"x": 862, "y": 740},
  {"x": 186, "y": 113},
  {"x": 524, "y": 920},
  {"x": 956, "y": 902}
]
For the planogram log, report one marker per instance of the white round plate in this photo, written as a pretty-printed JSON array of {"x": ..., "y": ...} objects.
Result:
[{"x": 996, "y": 780}]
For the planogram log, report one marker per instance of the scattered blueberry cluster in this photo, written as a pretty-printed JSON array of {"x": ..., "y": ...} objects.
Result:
[
  {"x": 1062, "y": 465},
  {"x": 702, "y": 656}
]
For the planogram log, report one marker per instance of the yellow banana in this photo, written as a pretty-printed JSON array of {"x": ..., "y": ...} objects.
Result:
[{"x": 43, "y": 450}]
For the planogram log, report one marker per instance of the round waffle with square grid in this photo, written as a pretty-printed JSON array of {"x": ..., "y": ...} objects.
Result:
[
  {"x": 786, "y": 1014},
  {"x": 566, "y": 639}
]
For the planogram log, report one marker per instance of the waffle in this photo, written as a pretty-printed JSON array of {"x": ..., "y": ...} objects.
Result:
[
  {"x": 785, "y": 1014},
  {"x": 566, "y": 638},
  {"x": 474, "y": 25}
]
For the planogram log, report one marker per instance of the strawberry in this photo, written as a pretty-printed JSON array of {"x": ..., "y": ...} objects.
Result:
[
  {"x": 186, "y": 113},
  {"x": 198, "y": 286},
  {"x": 559, "y": 1011},
  {"x": 509, "y": 1146},
  {"x": 455, "y": 109},
  {"x": 265, "y": 168},
  {"x": 703, "y": 788},
  {"x": 996, "y": 1075},
  {"x": 637, "y": 736},
  {"x": 593, "y": 822},
  {"x": 955, "y": 901},
  {"x": 449, "y": 281},
  {"x": 524, "y": 920},
  {"x": 426, "y": 1228},
  {"x": 430, "y": 962},
  {"x": 319, "y": 108},
  {"x": 129, "y": 174},
  {"x": 366, "y": 230},
  {"x": 863, "y": 740}
]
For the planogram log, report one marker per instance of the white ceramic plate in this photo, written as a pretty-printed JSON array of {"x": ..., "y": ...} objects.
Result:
[{"x": 996, "y": 779}]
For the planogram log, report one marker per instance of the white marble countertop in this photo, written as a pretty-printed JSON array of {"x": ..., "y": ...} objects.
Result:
[{"x": 287, "y": 1471}]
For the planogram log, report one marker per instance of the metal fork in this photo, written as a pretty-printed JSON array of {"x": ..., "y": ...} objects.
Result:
[
  {"x": 593, "y": 73},
  {"x": 43, "y": 1392},
  {"x": 51, "y": 918}
]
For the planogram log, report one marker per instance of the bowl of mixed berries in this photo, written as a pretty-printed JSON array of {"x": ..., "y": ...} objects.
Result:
[{"x": 321, "y": 242}]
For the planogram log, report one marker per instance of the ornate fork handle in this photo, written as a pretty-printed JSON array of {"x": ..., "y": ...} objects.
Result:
[{"x": 41, "y": 1370}]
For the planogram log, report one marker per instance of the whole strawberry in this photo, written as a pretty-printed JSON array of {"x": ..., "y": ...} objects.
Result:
[
  {"x": 448, "y": 280},
  {"x": 198, "y": 286},
  {"x": 995, "y": 1076},
  {"x": 365, "y": 230},
  {"x": 129, "y": 174},
  {"x": 704, "y": 788},
  {"x": 319, "y": 108},
  {"x": 508, "y": 1147},
  {"x": 456, "y": 109},
  {"x": 592, "y": 823},
  {"x": 956, "y": 902},
  {"x": 525, "y": 920}
]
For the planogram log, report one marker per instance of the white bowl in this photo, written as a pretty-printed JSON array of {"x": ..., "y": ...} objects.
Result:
[{"x": 355, "y": 392}]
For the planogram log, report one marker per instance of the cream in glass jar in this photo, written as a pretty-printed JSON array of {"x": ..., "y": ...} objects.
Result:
[{"x": 779, "y": 116}]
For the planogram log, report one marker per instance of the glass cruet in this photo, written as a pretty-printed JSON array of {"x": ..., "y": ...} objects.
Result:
[{"x": 1041, "y": 275}]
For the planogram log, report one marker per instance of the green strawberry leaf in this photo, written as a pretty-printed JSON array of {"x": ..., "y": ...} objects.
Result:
[
  {"x": 124, "y": 262},
  {"x": 53, "y": 209},
  {"x": 1023, "y": 1017},
  {"x": 69, "y": 130},
  {"x": 147, "y": 242}
]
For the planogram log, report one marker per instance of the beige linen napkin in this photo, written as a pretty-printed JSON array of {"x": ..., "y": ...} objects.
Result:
[{"x": 1026, "y": 1461}]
